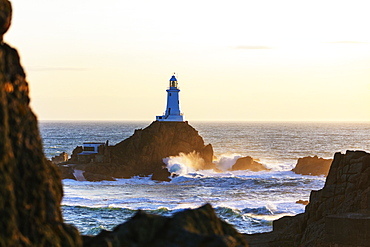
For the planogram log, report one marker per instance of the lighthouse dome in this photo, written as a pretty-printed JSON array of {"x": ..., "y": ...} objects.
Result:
[{"x": 173, "y": 81}]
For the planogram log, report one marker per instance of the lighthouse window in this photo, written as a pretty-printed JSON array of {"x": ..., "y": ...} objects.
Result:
[{"x": 170, "y": 94}]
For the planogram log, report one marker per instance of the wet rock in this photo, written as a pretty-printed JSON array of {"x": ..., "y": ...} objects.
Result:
[
  {"x": 314, "y": 166},
  {"x": 198, "y": 227},
  {"x": 248, "y": 163}
]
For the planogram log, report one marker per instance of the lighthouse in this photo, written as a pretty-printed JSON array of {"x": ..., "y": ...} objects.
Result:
[{"x": 172, "y": 113}]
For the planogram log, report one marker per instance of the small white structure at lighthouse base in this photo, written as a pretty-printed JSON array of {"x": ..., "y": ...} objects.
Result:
[{"x": 172, "y": 113}]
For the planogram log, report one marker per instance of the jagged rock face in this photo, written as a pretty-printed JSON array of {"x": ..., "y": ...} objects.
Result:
[
  {"x": 342, "y": 204},
  {"x": 198, "y": 227},
  {"x": 142, "y": 154},
  {"x": 30, "y": 188},
  {"x": 247, "y": 163},
  {"x": 347, "y": 190},
  {"x": 314, "y": 166}
]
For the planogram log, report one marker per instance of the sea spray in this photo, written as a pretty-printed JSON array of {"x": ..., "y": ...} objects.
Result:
[
  {"x": 226, "y": 161},
  {"x": 188, "y": 164},
  {"x": 184, "y": 163}
]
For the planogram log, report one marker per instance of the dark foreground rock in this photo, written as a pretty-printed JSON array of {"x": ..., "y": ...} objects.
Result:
[
  {"x": 199, "y": 227},
  {"x": 142, "y": 154},
  {"x": 337, "y": 215},
  {"x": 314, "y": 166},
  {"x": 30, "y": 186}
]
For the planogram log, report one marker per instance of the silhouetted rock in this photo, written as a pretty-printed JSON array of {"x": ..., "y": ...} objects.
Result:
[
  {"x": 312, "y": 166},
  {"x": 198, "y": 227},
  {"x": 247, "y": 163},
  {"x": 337, "y": 215},
  {"x": 142, "y": 154},
  {"x": 30, "y": 186}
]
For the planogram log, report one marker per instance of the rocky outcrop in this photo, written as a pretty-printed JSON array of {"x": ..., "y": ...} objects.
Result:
[
  {"x": 142, "y": 154},
  {"x": 63, "y": 157},
  {"x": 199, "y": 227},
  {"x": 248, "y": 163},
  {"x": 314, "y": 166},
  {"x": 337, "y": 215},
  {"x": 30, "y": 187}
]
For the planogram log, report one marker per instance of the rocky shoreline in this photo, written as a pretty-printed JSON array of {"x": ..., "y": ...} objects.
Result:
[
  {"x": 31, "y": 190},
  {"x": 144, "y": 152},
  {"x": 110, "y": 171}
]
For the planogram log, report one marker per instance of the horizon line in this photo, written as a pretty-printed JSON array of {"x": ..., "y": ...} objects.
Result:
[{"x": 207, "y": 120}]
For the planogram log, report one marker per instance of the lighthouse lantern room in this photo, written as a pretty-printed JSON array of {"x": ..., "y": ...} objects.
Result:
[{"x": 172, "y": 113}]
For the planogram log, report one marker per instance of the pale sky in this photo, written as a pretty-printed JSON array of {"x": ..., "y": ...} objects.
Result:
[{"x": 264, "y": 60}]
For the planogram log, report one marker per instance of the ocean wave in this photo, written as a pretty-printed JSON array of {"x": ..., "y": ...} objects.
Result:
[
  {"x": 121, "y": 181},
  {"x": 91, "y": 220},
  {"x": 191, "y": 164}
]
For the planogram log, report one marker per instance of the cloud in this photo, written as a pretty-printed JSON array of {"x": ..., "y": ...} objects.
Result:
[
  {"x": 347, "y": 42},
  {"x": 252, "y": 47},
  {"x": 42, "y": 68}
]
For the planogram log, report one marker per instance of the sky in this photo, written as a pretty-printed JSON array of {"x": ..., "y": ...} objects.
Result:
[{"x": 235, "y": 60}]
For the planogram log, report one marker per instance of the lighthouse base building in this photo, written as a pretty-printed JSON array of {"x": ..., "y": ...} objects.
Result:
[{"x": 173, "y": 113}]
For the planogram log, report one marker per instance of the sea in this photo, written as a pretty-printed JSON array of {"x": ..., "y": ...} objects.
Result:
[{"x": 250, "y": 201}]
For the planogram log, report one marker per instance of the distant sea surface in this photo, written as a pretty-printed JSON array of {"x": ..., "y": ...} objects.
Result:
[{"x": 248, "y": 200}]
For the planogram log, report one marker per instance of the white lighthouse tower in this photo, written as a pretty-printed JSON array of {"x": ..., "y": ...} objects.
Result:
[{"x": 172, "y": 113}]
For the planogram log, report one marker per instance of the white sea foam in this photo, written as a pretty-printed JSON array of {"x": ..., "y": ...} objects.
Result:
[
  {"x": 184, "y": 163},
  {"x": 79, "y": 175},
  {"x": 191, "y": 164},
  {"x": 226, "y": 161}
]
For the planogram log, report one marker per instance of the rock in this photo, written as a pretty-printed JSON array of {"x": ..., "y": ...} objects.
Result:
[
  {"x": 30, "y": 188},
  {"x": 142, "y": 154},
  {"x": 97, "y": 177},
  {"x": 5, "y": 17},
  {"x": 248, "y": 163},
  {"x": 303, "y": 202},
  {"x": 66, "y": 172},
  {"x": 63, "y": 157},
  {"x": 337, "y": 215},
  {"x": 198, "y": 227},
  {"x": 74, "y": 155},
  {"x": 314, "y": 166}
]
